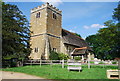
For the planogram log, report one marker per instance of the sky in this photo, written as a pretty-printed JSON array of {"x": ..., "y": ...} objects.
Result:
[{"x": 84, "y": 18}]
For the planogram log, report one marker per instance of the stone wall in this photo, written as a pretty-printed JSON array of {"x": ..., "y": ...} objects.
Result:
[
  {"x": 66, "y": 49},
  {"x": 37, "y": 42},
  {"x": 54, "y": 28}
]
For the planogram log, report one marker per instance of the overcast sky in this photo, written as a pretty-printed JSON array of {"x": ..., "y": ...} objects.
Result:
[{"x": 84, "y": 18}]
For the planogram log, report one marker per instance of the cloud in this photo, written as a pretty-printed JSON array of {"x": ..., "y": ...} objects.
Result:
[
  {"x": 86, "y": 27},
  {"x": 53, "y": 2},
  {"x": 94, "y": 26}
]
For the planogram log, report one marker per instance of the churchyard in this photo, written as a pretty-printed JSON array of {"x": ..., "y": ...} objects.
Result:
[
  {"x": 24, "y": 44},
  {"x": 58, "y": 69},
  {"x": 56, "y": 72}
]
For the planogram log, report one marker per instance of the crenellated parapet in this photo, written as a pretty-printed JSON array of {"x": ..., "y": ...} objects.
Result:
[{"x": 46, "y": 5}]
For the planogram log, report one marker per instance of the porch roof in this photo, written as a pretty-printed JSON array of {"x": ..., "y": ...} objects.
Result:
[{"x": 79, "y": 51}]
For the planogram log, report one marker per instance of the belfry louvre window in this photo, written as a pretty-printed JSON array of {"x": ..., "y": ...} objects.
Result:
[
  {"x": 36, "y": 50},
  {"x": 54, "y": 16},
  {"x": 38, "y": 15}
]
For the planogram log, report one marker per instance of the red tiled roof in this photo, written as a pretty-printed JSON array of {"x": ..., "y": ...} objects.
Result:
[{"x": 82, "y": 48}]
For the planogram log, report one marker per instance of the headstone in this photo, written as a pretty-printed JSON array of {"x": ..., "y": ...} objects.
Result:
[{"x": 96, "y": 61}]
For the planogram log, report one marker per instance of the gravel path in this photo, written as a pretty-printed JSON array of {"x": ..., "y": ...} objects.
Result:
[{"x": 16, "y": 75}]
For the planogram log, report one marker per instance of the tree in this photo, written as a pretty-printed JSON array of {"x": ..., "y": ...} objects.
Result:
[
  {"x": 116, "y": 17},
  {"x": 116, "y": 13},
  {"x": 77, "y": 34},
  {"x": 94, "y": 41},
  {"x": 15, "y": 32},
  {"x": 108, "y": 37},
  {"x": 106, "y": 43}
]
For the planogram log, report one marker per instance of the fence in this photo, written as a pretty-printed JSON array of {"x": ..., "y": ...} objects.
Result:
[
  {"x": 65, "y": 62},
  {"x": 13, "y": 62},
  {"x": 102, "y": 63},
  {"x": 44, "y": 62}
]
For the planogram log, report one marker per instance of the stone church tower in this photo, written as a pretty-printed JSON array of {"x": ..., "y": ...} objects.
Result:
[{"x": 46, "y": 31}]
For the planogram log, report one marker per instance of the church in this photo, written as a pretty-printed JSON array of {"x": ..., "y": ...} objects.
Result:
[{"x": 48, "y": 35}]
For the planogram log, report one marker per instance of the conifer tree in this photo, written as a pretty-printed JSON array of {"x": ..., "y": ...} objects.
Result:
[{"x": 15, "y": 32}]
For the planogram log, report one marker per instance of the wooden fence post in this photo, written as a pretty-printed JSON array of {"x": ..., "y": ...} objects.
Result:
[
  {"x": 31, "y": 62},
  {"x": 51, "y": 63},
  {"x": 22, "y": 62},
  {"x": 103, "y": 64},
  {"x": 40, "y": 62},
  {"x": 119, "y": 68},
  {"x": 88, "y": 64},
  {"x": 89, "y": 61},
  {"x": 63, "y": 63}
]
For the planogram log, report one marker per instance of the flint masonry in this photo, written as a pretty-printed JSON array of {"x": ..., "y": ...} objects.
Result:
[{"x": 47, "y": 33}]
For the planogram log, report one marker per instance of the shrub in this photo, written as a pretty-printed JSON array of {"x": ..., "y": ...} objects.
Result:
[
  {"x": 58, "y": 56},
  {"x": 91, "y": 62},
  {"x": 114, "y": 62},
  {"x": 63, "y": 56},
  {"x": 54, "y": 55},
  {"x": 77, "y": 58},
  {"x": 101, "y": 63},
  {"x": 6, "y": 63}
]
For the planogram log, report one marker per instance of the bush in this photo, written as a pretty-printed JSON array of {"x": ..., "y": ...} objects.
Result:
[
  {"x": 101, "y": 63},
  {"x": 58, "y": 56},
  {"x": 91, "y": 62},
  {"x": 6, "y": 63},
  {"x": 77, "y": 58},
  {"x": 114, "y": 62},
  {"x": 54, "y": 55},
  {"x": 13, "y": 62},
  {"x": 63, "y": 56}
]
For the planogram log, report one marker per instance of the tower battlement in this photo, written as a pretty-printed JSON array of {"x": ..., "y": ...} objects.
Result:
[{"x": 46, "y": 5}]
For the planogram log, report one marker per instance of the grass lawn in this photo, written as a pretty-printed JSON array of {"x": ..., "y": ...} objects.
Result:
[{"x": 57, "y": 72}]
